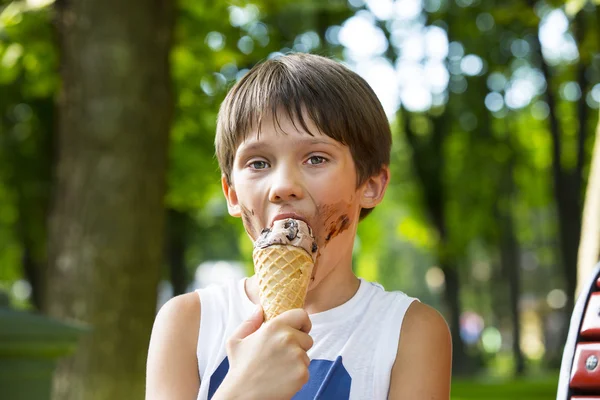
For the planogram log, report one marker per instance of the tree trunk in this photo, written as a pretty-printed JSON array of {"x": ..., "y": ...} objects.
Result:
[
  {"x": 589, "y": 247},
  {"x": 461, "y": 365},
  {"x": 567, "y": 194},
  {"x": 27, "y": 173},
  {"x": 34, "y": 195},
  {"x": 33, "y": 273},
  {"x": 107, "y": 222},
  {"x": 177, "y": 237},
  {"x": 509, "y": 258},
  {"x": 567, "y": 185}
]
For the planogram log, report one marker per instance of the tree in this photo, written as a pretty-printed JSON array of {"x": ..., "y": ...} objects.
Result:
[
  {"x": 106, "y": 224},
  {"x": 28, "y": 82},
  {"x": 509, "y": 260},
  {"x": 567, "y": 182}
]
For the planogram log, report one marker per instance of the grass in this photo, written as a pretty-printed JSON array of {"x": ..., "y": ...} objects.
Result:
[{"x": 526, "y": 389}]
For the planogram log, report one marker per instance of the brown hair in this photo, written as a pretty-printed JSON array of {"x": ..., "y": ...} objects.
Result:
[{"x": 340, "y": 103}]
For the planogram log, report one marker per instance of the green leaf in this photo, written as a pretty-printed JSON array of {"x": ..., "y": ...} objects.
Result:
[
  {"x": 572, "y": 7},
  {"x": 367, "y": 267},
  {"x": 416, "y": 232}
]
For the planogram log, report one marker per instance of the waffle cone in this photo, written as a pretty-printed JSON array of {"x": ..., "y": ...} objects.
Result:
[{"x": 283, "y": 274}]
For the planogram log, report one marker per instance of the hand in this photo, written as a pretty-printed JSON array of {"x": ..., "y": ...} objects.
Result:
[{"x": 268, "y": 361}]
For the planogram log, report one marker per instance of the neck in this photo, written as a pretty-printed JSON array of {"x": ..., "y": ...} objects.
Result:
[{"x": 332, "y": 291}]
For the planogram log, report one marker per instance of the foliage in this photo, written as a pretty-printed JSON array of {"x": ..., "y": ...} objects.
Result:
[{"x": 28, "y": 83}]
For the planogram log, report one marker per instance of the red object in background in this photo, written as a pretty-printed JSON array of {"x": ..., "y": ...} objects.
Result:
[
  {"x": 598, "y": 282},
  {"x": 590, "y": 328},
  {"x": 586, "y": 367}
]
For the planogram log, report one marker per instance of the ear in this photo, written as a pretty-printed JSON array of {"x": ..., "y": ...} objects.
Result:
[
  {"x": 233, "y": 205},
  {"x": 373, "y": 190}
]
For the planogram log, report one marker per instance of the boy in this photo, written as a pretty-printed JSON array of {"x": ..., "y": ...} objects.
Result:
[{"x": 302, "y": 137}]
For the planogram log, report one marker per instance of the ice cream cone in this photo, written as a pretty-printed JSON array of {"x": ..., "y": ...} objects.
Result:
[{"x": 283, "y": 273}]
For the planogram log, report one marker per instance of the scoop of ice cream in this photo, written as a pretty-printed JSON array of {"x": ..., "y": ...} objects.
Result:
[{"x": 291, "y": 232}]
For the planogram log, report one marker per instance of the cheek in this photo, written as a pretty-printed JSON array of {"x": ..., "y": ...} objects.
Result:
[
  {"x": 250, "y": 223},
  {"x": 333, "y": 189},
  {"x": 248, "y": 201},
  {"x": 251, "y": 191},
  {"x": 247, "y": 193},
  {"x": 335, "y": 219}
]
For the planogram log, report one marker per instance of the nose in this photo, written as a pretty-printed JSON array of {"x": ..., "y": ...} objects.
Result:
[{"x": 286, "y": 185}]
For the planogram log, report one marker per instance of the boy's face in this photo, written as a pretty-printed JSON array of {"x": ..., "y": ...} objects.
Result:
[{"x": 313, "y": 178}]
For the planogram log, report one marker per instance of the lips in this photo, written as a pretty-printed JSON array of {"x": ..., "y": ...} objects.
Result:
[{"x": 289, "y": 215}]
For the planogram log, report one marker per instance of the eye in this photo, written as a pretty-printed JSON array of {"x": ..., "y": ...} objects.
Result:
[
  {"x": 258, "y": 165},
  {"x": 316, "y": 160}
]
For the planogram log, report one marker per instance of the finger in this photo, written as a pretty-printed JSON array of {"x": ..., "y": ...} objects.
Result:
[
  {"x": 250, "y": 325},
  {"x": 296, "y": 318},
  {"x": 306, "y": 360},
  {"x": 304, "y": 341},
  {"x": 302, "y": 356}
]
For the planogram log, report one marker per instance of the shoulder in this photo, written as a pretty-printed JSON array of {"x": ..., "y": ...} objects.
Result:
[
  {"x": 423, "y": 323},
  {"x": 172, "y": 368},
  {"x": 423, "y": 364},
  {"x": 180, "y": 316}
]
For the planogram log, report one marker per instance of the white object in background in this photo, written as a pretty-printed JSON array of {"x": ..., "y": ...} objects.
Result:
[{"x": 217, "y": 272}]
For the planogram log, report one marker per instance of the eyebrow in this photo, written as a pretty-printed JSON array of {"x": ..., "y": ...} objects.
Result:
[{"x": 257, "y": 145}]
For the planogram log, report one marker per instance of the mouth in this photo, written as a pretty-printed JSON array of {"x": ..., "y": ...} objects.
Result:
[{"x": 289, "y": 215}]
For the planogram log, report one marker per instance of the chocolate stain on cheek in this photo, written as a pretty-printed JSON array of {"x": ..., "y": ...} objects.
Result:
[
  {"x": 252, "y": 230},
  {"x": 335, "y": 219},
  {"x": 337, "y": 227}
]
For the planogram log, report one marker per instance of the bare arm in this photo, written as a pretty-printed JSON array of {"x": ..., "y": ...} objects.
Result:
[
  {"x": 172, "y": 368},
  {"x": 423, "y": 365}
]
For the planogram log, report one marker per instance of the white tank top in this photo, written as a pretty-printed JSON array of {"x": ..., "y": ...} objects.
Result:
[{"x": 355, "y": 344}]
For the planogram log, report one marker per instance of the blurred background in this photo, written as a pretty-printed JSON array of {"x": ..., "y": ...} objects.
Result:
[{"x": 110, "y": 197}]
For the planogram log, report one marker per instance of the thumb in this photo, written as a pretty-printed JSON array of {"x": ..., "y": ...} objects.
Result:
[{"x": 250, "y": 325}]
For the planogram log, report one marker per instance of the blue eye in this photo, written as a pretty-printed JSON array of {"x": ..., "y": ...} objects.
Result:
[
  {"x": 258, "y": 165},
  {"x": 316, "y": 160}
]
